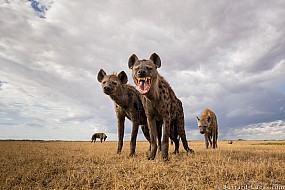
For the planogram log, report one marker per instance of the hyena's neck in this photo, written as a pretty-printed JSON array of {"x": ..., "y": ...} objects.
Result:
[
  {"x": 153, "y": 94},
  {"x": 120, "y": 97}
]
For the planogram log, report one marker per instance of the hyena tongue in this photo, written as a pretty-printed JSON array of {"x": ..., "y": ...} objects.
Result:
[{"x": 141, "y": 85}]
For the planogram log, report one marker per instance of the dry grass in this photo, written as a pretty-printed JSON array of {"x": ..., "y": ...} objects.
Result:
[{"x": 82, "y": 165}]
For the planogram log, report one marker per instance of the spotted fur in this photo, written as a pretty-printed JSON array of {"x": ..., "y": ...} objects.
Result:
[
  {"x": 160, "y": 103},
  {"x": 127, "y": 103},
  {"x": 208, "y": 126}
]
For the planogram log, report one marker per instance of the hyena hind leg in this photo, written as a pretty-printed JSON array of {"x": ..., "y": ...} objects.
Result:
[{"x": 181, "y": 133}]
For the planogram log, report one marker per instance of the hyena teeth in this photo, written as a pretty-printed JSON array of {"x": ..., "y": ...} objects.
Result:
[
  {"x": 148, "y": 80},
  {"x": 145, "y": 79},
  {"x": 140, "y": 79}
]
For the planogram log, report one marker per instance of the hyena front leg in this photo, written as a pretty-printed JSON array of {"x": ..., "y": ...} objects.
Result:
[
  {"x": 121, "y": 129},
  {"x": 215, "y": 139},
  {"x": 159, "y": 133},
  {"x": 210, "y": 139},
  {"x": 153, "y": 137},
  {"x": 207, "y": 139},
  {"x": 165, "y": 139},
  {"x": 133, "y": 138}
]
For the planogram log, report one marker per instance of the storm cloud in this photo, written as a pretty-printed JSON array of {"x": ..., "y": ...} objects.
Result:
[{"x": 225, "y": 55}]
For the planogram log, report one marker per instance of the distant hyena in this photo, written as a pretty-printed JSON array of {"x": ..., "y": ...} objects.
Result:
[
  {"x": 209, "y": 127},
  {"x": 160, "y": 102},
  {"x": 100, "y": 136},
  {"x": 127, "y": 102}
]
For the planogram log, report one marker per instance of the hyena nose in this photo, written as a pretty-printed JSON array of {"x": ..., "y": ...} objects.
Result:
[
  {"x": 141, "y": 72},
  {"x": 202, "y": 132},
  {"x": 107, "y": 88}
]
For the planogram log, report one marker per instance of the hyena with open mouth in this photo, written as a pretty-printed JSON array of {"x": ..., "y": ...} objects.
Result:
[
  {"x": 127, "y": 103},
  {"x": 159, "y": 102}
]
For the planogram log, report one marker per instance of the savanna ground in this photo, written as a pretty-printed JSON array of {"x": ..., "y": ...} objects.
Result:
[{"x": 82, "y": 165}]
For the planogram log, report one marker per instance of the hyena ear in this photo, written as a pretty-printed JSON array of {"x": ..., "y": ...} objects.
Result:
[
  {"x": 101, "y": 75},
  {"x": 209, "y": 119},
  {"x": 197, "y": 118},
  {"x": 132, "y": 61},
  {"x": 156, "y": 60},
  {"x": 123, "y": 77}
]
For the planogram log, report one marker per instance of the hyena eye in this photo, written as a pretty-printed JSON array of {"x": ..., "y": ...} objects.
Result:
[
  {"x": 114, "y": 83},
  {"x": 149, "y": 68},
  {"x": 104, "y": 82}
]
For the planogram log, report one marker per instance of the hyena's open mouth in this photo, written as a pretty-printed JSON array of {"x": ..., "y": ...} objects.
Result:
[{"x": 143, "y": 84}]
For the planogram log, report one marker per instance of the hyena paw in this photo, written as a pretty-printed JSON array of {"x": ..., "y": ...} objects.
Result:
[
  {"x": 151, "y": 156},
  {"x": 175, "y": 152},
  {"x": 165, "y": 156},
  {"x": 132, "y": 155},
  {"x": 191, "y": 151}
]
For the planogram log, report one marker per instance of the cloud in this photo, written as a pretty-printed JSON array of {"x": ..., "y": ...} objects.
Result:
[
  {"x": 227, "y": 56},
  {"x": 261, "y": 131},
  {"x": 3, "y": 85}
]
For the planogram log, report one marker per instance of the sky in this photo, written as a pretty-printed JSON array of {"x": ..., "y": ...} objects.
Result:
[{"x": 225, "y": 55}]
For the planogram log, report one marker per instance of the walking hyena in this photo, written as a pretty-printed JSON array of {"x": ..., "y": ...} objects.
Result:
[
  {"x": 209, "y": 127},
  {"x": 127, "y": 102},
  {"x": 159, "y": 102},
  {"x": 100, "y": 136}
]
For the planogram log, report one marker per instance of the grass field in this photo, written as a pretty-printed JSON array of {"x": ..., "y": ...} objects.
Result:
[{"x": 82, "y": 165}]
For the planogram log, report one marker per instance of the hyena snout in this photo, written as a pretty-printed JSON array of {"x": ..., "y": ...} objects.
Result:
[
  {"x": 141, "y": 73},
  {"x": 202, "y": 130},
  {"x": 108, "y": 89}
]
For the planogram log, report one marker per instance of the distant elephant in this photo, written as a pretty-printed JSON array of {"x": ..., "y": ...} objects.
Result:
[{"x": 100, "y": 136}]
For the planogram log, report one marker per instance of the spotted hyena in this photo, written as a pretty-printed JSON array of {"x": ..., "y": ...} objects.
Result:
[
  {"x": 209, "y": 127},
  {"x": 159, "y": 102},
  {"x": 127, "y": 103},
  {"x": 100, "y": 136}
]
